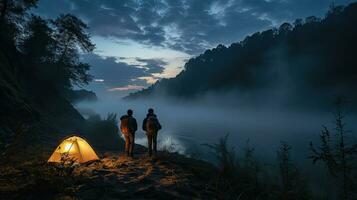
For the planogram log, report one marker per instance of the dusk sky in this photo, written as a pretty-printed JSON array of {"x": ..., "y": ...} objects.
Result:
[{"x": 138, "y": 42}]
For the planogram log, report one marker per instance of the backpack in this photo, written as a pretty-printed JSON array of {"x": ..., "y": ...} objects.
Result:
[
  {"x": 124, "y": 125},
  {"x": 152, "y": 124},
  {"x": 132, "y": 125}
]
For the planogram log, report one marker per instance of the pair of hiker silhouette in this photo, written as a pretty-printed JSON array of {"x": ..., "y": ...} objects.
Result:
[{"x": 128, "y": 127}]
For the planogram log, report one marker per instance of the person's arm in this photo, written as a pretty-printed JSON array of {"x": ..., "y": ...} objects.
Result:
[
  {"x": 135, "y": 125},
  {"x": 144, "y": 125},
  {"x": 120, "y": 124},
  {"x": 160, "y": 127},
  {"x": 158, "y": 123}
]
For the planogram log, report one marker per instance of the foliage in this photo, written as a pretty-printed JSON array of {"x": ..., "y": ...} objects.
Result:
[
  {"x": 38, "y": 42},
  {"x": 225, "y": 156},
  {"x": 69, "y": 33},
  {"x": 293, "y": 185},
  {"x": 104, "y": 133},
  {"x": 50, "y": 48},
  {"x": 252, "y": 168},
  {"x": 36, "y": 179},
  {"x": 81, "y": 95},
  {"x": 338, "y": 153},
  {"x": 108, "y": 125},
  {"x": 57, "y": 50},
  {"x": 224, "y": 182},
  {"x": 66, "y": 165},
  {"x": 247, "y": 178},
  {"x": 313, "y": 55},
  {"x": 237, "y": 178},
  {"x": 12, "y": 15}
]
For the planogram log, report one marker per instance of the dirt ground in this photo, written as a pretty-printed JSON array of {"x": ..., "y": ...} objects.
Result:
[{"x": 114, "y": 176}]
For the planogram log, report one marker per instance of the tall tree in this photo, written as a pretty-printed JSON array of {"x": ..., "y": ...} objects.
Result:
[
  {"x": 71, "y": 39},
  {"x": 71, "y": 33}
]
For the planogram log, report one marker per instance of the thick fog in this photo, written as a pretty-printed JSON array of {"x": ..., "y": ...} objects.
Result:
[{"x": 189, "y": 125}]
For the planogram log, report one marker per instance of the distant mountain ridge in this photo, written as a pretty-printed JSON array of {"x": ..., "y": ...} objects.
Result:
[{"x": 311, "y": 56}]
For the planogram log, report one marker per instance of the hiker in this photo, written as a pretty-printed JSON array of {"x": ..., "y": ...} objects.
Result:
[
  {"x": 151, "y": 125},
  {"x": 128, "y": 126}
]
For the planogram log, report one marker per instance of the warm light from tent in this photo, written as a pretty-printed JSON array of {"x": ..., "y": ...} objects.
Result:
[
  {"x": 77, "y": 148},
  {"x": 68, "y": 147}
]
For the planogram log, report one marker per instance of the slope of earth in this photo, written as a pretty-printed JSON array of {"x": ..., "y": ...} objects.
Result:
[{"x": 166, "y": 176}]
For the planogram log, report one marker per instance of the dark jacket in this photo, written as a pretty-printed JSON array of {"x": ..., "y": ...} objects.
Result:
[{"x": 145, "y": 121}]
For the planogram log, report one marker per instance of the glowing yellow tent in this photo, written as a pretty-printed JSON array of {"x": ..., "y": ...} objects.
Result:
[{"x": 76, "y": 148}]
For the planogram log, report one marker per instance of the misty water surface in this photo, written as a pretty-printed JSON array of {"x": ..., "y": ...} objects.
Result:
[{"x": 189, "y": 125}]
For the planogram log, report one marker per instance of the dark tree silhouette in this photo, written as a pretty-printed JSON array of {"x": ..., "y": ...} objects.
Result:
[
  {"x": 338, "y": 153},
  {"x": 38, "y": 46},
  {"x": 293, "y": 184},
  {"x": 12, "y": 14},
  {"x": 69, "y": 35},
  {"x": 285, "y": 168},
  {"x": 50, "y": 49},
  {"x": 12, "y": 10},
  {"x": 38, "y": 42}
]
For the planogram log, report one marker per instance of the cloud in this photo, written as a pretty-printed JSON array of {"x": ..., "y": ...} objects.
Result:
[
  {"x": 124, "y": 72},
  {"x": 153, "y": 65},
  {"x": 98, "y": 80},
  {"x": 126, "y": 88},
  {"x": 111, "y": 71},
  {"x": 148, "y": 79},
  {"x": 190, "y": 26}
]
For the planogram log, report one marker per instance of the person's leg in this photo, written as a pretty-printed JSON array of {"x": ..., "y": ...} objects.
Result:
[
  {"x": 154, "y": 137},
  {"x": 149, "y": 143},
  {"x": 132, "y": 143},
  {"x": 127, "y": 144}
]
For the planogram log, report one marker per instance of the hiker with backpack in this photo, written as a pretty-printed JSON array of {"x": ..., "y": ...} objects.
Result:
[
  {"x": 128, "y": 126},
  {"x": 151, "y": 126}
]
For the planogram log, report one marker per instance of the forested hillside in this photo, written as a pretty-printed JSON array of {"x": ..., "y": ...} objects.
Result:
[
  {"x": 311, "y": 58},
  {"x": 39, "y": 67}
]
